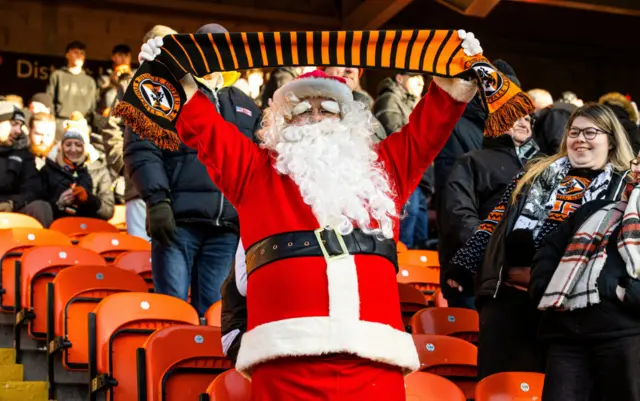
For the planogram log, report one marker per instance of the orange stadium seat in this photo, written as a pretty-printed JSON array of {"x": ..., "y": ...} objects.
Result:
[
  {"x": 77, "y": 227},
  {"x": 18, "y": 220},
  {"x": 400, "y": 247},
  {"x": 411, "y": 301},
  {"x": 119, "y": 219},
  {"x": 456, "y": 322},
  {"x": 422, "y": 386},
  {"x": 214, "y": 315},
  {"x": 111, "y": 245},
  {"x": 510, "y": 386},
  {"x": 178, "y": 363},
  {"x": 38, "y": 267},
  {"x": 450, "y": 357},
  {"x": 420, "y": 269},
  {"x": 229, "y": 386},
  {"x": 71, "y": 296},
  {"x": 138, "y": 262},
  {"x": 118, "y": 326},
  {"x": 13, "y": 243}
]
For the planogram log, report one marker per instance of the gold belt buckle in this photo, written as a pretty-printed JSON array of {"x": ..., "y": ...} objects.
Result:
[{"x": 343, "y": 246}]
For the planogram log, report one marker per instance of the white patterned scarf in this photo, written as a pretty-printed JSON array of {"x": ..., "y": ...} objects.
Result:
[
  {"x": 542, "y": 195},
  {"x": 574, "y": 283}
]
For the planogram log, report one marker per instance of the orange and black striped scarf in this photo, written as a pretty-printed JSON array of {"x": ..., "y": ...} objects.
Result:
[{"x": 155, "y": 97}]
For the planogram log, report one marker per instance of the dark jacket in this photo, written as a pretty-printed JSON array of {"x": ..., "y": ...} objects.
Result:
[
  {"x": 476, "y": 184},
  {"x": 72, "y": 92},
  {"x": 466, "y": 136},
  {"x": 19, "y": 179},
  {"x": 490, "y": 277},
  {"x": 93, "y": 176},
  {"x": 633, "y": 131},
  {"x": 550, "y": 125},
  {"x": 234, "y": 313},
  {"x": 179, "y": 176},
  {"x": 611, "y": 317},
  {"x": 393, "y": 105}
]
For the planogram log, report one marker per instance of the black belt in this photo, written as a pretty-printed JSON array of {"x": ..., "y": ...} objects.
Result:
[{"x": 308, "y": 243}]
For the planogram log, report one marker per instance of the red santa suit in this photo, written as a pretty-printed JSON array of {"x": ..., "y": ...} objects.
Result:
[{"x": 332, "y": 327}]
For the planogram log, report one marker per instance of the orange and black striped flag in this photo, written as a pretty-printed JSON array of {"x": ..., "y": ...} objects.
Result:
[{"x": 154, "y": 98}]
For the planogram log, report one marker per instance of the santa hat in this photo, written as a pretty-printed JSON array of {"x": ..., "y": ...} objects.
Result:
[{"x": 314, "y": 84}]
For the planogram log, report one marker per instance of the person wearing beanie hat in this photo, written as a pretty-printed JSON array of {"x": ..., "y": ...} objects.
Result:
[
  {"x": 41, "y": 103},
  {"x": 74, "y": 184},
  {"x": 185, "y": 209},
  {"x": 320, "y": 206},
  {"x": 20, "y": 185}
]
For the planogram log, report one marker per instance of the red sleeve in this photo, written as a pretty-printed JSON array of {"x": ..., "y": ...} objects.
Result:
[
  {"x": 230, "y": 157},
  {"x": 409, "y": 152}
]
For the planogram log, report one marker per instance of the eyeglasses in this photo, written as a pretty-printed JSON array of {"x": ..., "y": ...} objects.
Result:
[{"x": 588, "y": 133}]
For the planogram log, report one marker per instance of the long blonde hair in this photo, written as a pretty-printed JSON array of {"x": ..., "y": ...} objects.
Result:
[{"x": 603, "y": 117}]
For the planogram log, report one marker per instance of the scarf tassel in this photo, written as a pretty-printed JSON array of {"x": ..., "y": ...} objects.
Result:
[
  {"x": 502, "y": 119},
  {"x": 146, "y": 128}
]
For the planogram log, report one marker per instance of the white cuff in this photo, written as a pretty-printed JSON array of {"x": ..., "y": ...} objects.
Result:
[{"x": 457, "y": 88}]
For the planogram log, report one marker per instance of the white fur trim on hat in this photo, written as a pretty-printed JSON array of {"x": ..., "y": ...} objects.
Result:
[{"x": 314, "y": 87}]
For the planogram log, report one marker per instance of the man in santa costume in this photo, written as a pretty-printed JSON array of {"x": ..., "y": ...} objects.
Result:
[{"x": 319, "y": 206}]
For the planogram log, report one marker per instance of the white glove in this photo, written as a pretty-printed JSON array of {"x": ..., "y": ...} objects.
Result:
[
  {"x": 470, "y": 44},
  {"x": 150, "y": 50}
]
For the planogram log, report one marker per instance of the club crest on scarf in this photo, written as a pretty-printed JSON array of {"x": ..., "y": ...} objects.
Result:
[
  {"x": 492, "y": 83},
  {"x": 158, "y": 96}
]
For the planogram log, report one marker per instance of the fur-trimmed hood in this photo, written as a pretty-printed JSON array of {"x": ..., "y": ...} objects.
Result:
[
  {"x": 619, "y": 100},
  {"x": 90, "y": 151}
]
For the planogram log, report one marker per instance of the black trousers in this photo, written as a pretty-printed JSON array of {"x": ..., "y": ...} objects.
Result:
[
  {"x": 508, "y": 334},
  {"x": 593, "y": 370},
  {"x": 39, "y": 210}
]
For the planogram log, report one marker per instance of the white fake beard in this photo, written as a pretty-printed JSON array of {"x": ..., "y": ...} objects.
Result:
[{"x": 337, "y": 172}]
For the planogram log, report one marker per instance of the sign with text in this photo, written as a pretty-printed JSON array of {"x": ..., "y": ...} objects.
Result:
[{"x": 27, "y": 74}]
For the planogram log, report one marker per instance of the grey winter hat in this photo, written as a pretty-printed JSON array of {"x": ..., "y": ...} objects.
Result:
[
  {"x": 212, "y": 28},
  {"x": 72, "y": 134},
  {"x": 10, "y": 112}
]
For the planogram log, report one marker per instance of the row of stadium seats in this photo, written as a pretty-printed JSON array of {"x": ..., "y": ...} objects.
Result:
[
  {"x": 86, "y": 294},
  {"x": 420, "y": 386}
]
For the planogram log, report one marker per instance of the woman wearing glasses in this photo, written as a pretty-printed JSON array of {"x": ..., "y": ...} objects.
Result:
[
  {"x": 590, "y": 165},
  {"x": 585, "y": 279}
]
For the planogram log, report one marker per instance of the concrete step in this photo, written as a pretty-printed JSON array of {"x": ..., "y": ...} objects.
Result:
[
  {"x": 7, "y": 357},
  {"x": 11, "y": 373},
  {"x": 23, "y": 391}
]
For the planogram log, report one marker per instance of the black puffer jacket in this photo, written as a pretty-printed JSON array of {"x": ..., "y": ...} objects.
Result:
[
  {"x": 610, "y": 318},
  {"x": 93, "y": 176},
  {"x": 466, "y": 136},
  {"x": 19, "y": 179},
  {"x": 550, "y": 124},
  {"x": 179, "y": 176},
  {"x": 490, "y": 276},
  {"x": 476, "y": 184}
]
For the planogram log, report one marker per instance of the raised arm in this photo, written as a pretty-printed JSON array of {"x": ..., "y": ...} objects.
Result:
[{"x": 410, "y": 151}]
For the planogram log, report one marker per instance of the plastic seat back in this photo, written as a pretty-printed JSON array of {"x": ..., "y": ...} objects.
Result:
[
  {"x": 76, "y": 291},
  {"x": 400, "y": 247},
  {"x": 422, "y": 386},
  {"x": 511, "y": 386},
  {"x": 420, "y": 269},
  {"x": 214, "y": 315},
  {"x": 138, "y": 262},
  {"x": 169, "y": 372},
  {"x": 18, "y": 220},
  {"x": 449, "y": 357},
  {"x": 456, "y": 322},
  {"x": 230, "y": 386},
  {"x": 78, "y": 227},
  {"x": 411, "y": 301},
  {"x": 110, "y": 245},
  {"x": 39, "y": 266},
  {"x": 119, "y": 219},
  {"x": 13, "y": 243},
  {"x": 123, "y": 322}
]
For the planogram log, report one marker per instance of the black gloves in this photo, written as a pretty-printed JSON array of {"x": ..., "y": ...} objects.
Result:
[{"x": 161, "y": 223}]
